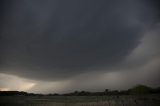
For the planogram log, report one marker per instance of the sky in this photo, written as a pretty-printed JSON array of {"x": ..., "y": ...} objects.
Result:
[{"x": 58, "y": 46}]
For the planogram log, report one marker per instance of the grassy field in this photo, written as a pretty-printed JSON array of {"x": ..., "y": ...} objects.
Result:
[{"x": 150, "y": 100}]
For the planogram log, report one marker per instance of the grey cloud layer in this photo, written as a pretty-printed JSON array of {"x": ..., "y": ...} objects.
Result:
[
  {"x": 55, "y": 39},
  {"x": 131, "y": 74}
]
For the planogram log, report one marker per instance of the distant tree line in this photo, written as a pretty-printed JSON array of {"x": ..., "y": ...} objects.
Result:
[
  {"x": 17, "y": 93},
  {"x": 137, "y": 90}
]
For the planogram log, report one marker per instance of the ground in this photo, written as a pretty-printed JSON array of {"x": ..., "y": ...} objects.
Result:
[{"x": 148, "y": 100}]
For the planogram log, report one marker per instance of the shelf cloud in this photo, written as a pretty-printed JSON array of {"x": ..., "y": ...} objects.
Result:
[{"x": 59, "y": 40}]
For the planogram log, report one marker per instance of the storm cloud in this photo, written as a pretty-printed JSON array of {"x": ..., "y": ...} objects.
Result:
[{"x": 57, "y": 40}]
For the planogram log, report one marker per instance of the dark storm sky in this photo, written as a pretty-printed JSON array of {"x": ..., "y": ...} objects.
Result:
[{"x": 80, "y": 40}]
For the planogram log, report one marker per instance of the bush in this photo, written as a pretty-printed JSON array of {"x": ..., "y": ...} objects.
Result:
[{"x": 140, "y": 90}]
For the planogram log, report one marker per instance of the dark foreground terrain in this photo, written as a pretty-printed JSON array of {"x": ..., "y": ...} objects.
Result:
[{"x": 149, "y": 100}]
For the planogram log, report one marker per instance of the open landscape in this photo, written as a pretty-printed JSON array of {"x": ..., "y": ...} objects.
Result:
[
  {"x": 139, "y": 95},
  {"x": 79, "y": 52},
  {"x": 149, "y": 100}
]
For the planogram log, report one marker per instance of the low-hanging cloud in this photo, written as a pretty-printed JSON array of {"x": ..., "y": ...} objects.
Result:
[{"x": 58, "y": 39}]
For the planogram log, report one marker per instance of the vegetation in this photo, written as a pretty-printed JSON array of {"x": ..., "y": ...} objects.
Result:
[
  {"x": 137, "y": 90},
  {"x": 139, "y": 95}
]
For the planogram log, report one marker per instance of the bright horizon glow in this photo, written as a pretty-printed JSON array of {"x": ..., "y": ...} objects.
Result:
[
  {"x": 14, "y": 83},
  {"x": 4, "y": 89}
]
